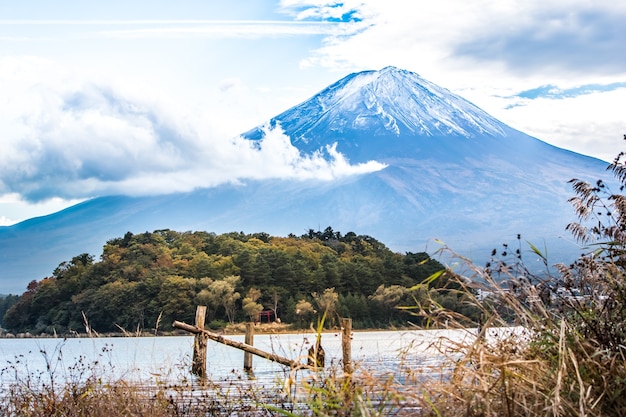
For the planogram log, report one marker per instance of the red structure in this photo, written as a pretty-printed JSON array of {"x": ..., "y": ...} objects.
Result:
[{"x": 267, "y": 314}]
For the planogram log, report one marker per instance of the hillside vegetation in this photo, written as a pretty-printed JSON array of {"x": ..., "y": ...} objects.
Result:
[{"x": 143, "y": 282}]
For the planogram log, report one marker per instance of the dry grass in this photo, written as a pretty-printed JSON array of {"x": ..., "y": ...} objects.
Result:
[
  {"x": 568, "y": 359},
  {"x": 541, "y": 367},
  {"x": 530, "y": 356},
  {"x": 537, "y": 352},
  {"x": 259, "y": 328}
]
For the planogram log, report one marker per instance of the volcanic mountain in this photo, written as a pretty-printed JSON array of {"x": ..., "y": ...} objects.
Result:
[{"x": 452, "y": 172}]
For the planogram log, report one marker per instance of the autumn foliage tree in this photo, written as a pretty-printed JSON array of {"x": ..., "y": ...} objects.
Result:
[{"x": 163, "y": 275}]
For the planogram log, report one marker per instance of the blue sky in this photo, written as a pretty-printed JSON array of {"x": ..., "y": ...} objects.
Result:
[{"x": 148, "y": 96}]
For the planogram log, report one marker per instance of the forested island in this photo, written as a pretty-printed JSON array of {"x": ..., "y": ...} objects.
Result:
[{"x": 143, "y": 282}]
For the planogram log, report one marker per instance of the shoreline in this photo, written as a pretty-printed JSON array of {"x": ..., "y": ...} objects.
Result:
[{"x": 237, "y": 329}]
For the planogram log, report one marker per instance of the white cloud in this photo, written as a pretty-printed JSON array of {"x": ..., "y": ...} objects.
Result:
[
  {"x": 221, "y": 29},
  {"x": 15, "y": 209},
  {"x": 597, "y": 128},
  {"x": 5, "y": 221},
  {"x": 74, "y": 140},
  {"x": 451, "y": 42}
]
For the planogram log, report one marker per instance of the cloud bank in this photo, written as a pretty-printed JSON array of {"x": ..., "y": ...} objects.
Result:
[
  {"x": 66, "y": 138},
  {"x": 557, "y": 38}
]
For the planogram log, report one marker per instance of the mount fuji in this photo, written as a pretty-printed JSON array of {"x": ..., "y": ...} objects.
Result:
[{"x": 451, "y": 172}]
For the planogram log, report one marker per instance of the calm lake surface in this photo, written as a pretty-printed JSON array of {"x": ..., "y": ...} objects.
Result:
[{"x": 168, "y": 358}]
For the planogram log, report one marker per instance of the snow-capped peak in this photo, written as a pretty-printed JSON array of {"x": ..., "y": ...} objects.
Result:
[
  {"x": 405, "y": 103},
  {"x": 388, "y": 103}
]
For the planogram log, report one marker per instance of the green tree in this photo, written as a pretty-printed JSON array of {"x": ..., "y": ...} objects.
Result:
[
  {"x": 176, "y": 299},
  {"x": 356, "y": 307},
  {"x": 18, "y": 316},
  {"x": 250, "y": 306},
  {"x": 276, "y": 294},
  {"x": 304, "y": 310},
  {"x": 205, "y": 298},
  {"x": 327, "y": 302},
  {"x": 73, "y": 276},
  {"x": 200, "y": 266},
  {"x": 222, "y": 293},
  {"x": 7, "y": 302},
  {"x": 388, "y": 299},
  {"x": 45, "y": 303}
]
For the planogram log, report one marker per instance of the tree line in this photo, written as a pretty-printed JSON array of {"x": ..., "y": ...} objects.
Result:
[{"x": 146, "y": 281}]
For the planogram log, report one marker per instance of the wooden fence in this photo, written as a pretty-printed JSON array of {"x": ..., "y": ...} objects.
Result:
[{"x": 315, "y": 359}]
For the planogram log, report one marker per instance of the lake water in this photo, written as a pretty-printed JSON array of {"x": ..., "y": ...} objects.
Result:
[{"x": 168, "y": 358}]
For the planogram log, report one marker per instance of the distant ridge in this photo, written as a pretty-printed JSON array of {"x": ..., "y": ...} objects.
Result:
[{"x": 453, "y": 173}]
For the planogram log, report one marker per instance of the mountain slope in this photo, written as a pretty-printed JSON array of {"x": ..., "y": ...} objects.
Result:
[
  {"x": 456, "y": 172},
  {"x": 453, "y": 173}
]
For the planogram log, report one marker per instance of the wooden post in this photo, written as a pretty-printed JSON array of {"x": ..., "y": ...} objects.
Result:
[
  {"x": 198, "y": 364},
  {"x": 346, "y": 345},
  {"x": 317, "y": 356},
  {"x": 249, "y": 340}
]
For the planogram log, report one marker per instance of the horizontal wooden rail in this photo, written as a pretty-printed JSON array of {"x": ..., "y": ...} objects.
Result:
[{"x": 242, "y": 346}]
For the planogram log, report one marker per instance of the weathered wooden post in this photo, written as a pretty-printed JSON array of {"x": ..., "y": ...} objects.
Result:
[
  {"x": 198, "y": 364},
  {"x": 317, "y": 356},
  {"x": 249, "y": 340},
  {"x": 346, "y": 345}
]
